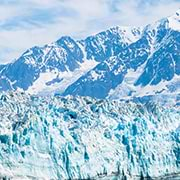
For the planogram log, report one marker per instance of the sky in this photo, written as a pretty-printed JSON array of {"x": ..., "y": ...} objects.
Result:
[{"x": 26, "y": 23}]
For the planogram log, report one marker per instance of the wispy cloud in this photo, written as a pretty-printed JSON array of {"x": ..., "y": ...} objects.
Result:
[{"x": 24, "y": 24}]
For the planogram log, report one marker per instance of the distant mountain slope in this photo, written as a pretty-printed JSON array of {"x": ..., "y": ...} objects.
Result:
[
  {"x": 119, "y": 62},
  {"x": 40, "y": 68},
  {"x": 149, "y": 65}
]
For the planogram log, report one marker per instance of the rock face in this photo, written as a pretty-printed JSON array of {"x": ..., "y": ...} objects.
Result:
[
  {"x": 64, "y": 59},
  {"x": 152, "y": 60},
  {"x": 119, "y": 62},
  {"x": 81, "y": 138}
]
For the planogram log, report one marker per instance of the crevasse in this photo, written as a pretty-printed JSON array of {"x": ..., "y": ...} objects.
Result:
[{"x": 81, "y": 138}]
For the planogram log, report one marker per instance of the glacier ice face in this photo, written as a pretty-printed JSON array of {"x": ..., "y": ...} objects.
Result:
[{"x": 80, "y": 137}]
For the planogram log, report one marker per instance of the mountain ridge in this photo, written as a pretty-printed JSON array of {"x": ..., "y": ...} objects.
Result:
[{"x": 100, "y": 63}]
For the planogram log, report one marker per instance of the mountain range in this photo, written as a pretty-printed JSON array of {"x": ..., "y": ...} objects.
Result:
[
  {"x": 121, "y": 62},
  {"x": 59, "y": 117}
]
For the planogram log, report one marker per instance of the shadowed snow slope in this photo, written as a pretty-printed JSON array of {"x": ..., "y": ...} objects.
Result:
[{"x": 80, "y": 138}]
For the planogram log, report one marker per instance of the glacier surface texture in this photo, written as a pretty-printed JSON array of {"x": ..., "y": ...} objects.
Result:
[{"x": 81, "y": 138}]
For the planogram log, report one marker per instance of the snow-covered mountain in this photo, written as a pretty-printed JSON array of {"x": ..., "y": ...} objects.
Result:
[
  {"x": 121, "y": 62},
  {"x": 57, "y": 65},
  {"x": 148, "y": 66},
  {"x": 76, "y": 137},
  {"x": 84, "y": 138}
]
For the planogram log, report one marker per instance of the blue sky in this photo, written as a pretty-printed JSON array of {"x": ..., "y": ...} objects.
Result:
[{"x": 25, "y": 23}]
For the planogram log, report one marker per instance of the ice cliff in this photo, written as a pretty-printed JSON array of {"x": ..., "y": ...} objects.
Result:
[{"x": 81, "y": 138}]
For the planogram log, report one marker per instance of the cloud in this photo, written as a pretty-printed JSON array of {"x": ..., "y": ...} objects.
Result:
[{"x": 24, "y": 24}]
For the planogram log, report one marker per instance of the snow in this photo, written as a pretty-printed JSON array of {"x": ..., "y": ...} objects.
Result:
[
  {"x": 82, "y": 49},
  {"x": 68, "y": 77},
  {"x": 127, "y": 89},
  {"x": 53, "y": 55},
  {"x": 127, "y": 86},
  {"x": 30, "y": 60},
  {"x": 28, "y": 53},
  {"x": 174, "y": 21},
  {"x": 161, "y": 87},
  {"x": 128, "y": 34},
  {"x": 40, "y": 83},
  {"x": 94, "y": 75}
]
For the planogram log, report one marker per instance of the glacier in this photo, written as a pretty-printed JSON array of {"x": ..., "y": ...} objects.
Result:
[{"x": 56, "y": 137}]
